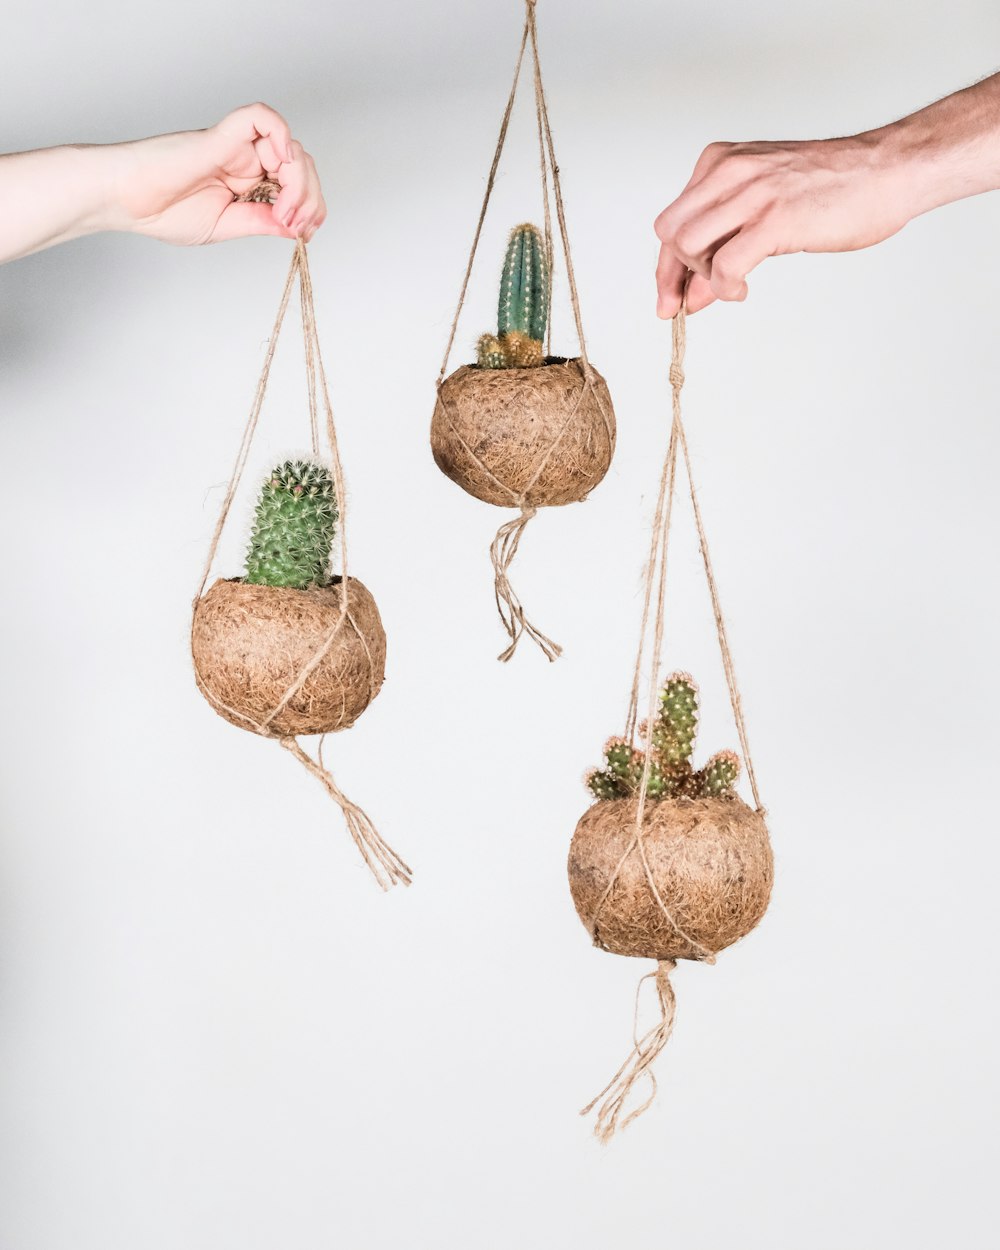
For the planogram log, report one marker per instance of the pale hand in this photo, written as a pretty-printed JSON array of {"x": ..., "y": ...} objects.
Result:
[{"x": 180, "y": 187}]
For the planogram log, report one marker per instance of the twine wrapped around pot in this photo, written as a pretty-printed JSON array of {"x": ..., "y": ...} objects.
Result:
[
  {"x": 281, "y": 662},
  {"x": 668, "y": 878},
  {"x": 524, "y": 437}
]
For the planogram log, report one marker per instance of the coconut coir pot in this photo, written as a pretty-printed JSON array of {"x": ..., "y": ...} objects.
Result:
[
  {"x": 253, "y": 644},
  {"x": 709, "y": 860},
  {"x": 531, "y": 438}
]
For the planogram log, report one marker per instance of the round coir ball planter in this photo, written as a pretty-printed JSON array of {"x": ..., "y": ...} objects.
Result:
[
  {"x": 250, "y": 643},
  {"x": 711, "y": 861},
  {"x": 493, "y": 428}
]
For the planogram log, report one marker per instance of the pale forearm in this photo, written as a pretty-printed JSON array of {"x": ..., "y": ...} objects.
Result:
[
  {"x": 53, "y": 195},
  {"x": 192, "y": 187}
]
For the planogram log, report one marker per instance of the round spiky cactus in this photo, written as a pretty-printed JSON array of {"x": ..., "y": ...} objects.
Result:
[{"x": 293, "y": 527}]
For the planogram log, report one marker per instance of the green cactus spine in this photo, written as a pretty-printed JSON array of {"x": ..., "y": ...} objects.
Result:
[{"x": 293, "y": 528}]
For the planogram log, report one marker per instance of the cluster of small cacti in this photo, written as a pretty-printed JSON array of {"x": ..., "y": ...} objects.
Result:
[
  {"x": 292, "y": 537},
  {"x": 523, "y": 308},
  {"x": 671, "y": 737}
]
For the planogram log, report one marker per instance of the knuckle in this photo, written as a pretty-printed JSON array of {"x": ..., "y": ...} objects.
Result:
[
  {"x": 665, "y": 225},
  {"x": 685, "y": 240}
]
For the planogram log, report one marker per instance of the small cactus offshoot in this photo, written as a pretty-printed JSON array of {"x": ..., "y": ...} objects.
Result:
[
  {"x": 523, "y": 308},
  {"x": 671, "y": 737},
  {"x": 293, "y": 528}
]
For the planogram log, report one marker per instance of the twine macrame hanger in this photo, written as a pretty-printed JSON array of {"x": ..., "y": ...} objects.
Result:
[
  {"x": 612, "y": 1100},
  {"x": 385, "y": 865},
  {"x": 508, "y": 537}
]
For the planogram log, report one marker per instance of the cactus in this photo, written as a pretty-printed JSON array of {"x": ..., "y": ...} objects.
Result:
[
  {"x": 602, "y": 785},
  {"x": 523, "y": 308},
  {"x": 490, "y": 353},
  {"x": 677, "y": 724},
  {"x": 671, "y": 738},
  {"x": 524, "y": 285},
  {"x": 717, "y": 778},
  {"x": 293, "y": 527},
  {"x": 522, "y": 352}
]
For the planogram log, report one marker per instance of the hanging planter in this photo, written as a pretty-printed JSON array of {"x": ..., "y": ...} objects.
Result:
[
  {"x": 521, "y": 427},
  {"x": 289, "y": 648},
  {"x": 703, "y": 848},
  {"x": 669, "y": 862}
]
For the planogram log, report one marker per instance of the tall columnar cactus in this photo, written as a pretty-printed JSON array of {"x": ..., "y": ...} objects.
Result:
[
  {"x": 671, "y": 737},
  {"x": 293, "y": 528},
  {"x": 523, "y": 308},
  {"x": 524, "y": 285}
]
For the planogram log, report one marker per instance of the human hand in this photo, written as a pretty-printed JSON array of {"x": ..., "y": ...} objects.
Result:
[
  {"x": 748, "y": 201},
  {"x": 182, "y": 188}
]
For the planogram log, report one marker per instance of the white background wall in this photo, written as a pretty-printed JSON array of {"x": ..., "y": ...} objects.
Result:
[{"x": 215, "y": 1033}]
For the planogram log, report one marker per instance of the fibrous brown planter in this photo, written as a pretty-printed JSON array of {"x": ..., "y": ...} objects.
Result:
[
  {"x": 525, "y": 437},
  {"x": 251, "y": 643},
  {"x": 710, "y": 860}
]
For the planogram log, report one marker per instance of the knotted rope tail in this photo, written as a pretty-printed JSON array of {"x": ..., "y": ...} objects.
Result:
[
  {"x": 503, "y": 549},
  {"x": 386, "y": 866},
  {"x": 614, "y": 1097}
]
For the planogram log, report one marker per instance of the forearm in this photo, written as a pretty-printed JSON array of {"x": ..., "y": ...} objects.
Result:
[
  {"x": 947, "y": 151},
  {"x": 56, "y": 194}
]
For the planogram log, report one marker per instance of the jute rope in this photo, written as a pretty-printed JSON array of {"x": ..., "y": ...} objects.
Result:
[
  {"x": 614, "y": 1096},
  {"x": 387, "y": 868},
  {"x": 504, "y": 546}
]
